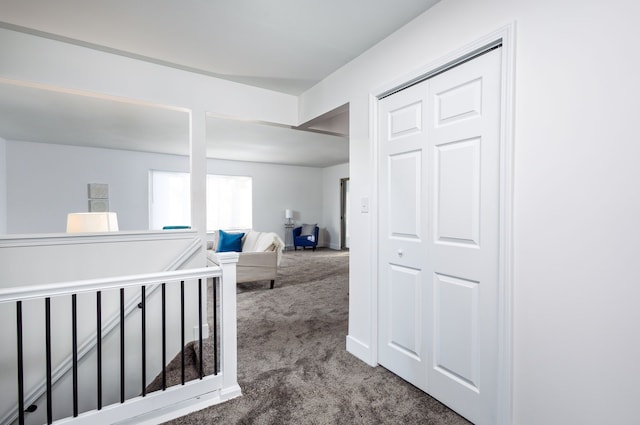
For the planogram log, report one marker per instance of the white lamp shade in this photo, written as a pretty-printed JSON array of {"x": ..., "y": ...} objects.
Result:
[
  {"x": 93, "y": 222},
  {"x": 288, "y": 213}
]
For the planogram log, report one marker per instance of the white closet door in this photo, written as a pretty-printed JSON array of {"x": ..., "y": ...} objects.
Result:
[
  {"x": 404, "y": 272},
  {"x": 439, "y": 233}
]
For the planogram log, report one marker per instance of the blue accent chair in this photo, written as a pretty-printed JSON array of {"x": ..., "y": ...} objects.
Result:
[{"x": 303, "y": 240}]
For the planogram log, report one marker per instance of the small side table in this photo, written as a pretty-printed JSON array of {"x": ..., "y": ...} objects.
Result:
[{"x": 288, "y": 236}]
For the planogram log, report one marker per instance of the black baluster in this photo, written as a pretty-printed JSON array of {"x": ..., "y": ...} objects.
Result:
[
  {"x": 74, "y": 343},
  {"x": 47, "y": 309},
  {"x": 20, "y": 363},
  {"x": 182, "y": 328},
  {"x": 144, "y": 343},
  {"x": 164, "y": 337},
  {"x": 99, "y": 348},
  {"x": 200, "y": 325},
  {"x": 122, "y": 356}
]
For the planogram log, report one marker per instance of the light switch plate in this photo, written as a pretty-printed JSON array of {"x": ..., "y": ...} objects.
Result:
[{"x": 364, "y": 205}]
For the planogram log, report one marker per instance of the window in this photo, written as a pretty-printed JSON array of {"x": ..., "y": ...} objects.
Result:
[
  {"x": 229, "y": 201},
  {"x": 169, "y": 199}
]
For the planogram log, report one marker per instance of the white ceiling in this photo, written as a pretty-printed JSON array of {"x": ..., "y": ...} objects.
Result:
[
  {"x": 283, "y": 45},
  {"x": 247, "y": 141},
  {"x": 36, "y": 114}
]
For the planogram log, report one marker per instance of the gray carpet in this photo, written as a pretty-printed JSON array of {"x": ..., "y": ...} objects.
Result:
[{"x": 292, "y": 364}]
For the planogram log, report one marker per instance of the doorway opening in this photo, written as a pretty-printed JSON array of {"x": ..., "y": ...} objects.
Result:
[{"x": 344, "y": 213}]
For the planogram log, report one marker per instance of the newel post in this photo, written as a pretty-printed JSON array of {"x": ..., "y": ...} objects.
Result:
[{"x": 229, "y": 337}]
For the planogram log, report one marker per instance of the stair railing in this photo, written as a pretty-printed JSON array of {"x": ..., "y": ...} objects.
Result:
[
  {"x": 89, "y": 344},
  {"x": 169, "y": 402}
]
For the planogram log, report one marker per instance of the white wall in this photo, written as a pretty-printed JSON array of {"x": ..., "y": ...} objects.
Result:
[
  {"x": 47, "y": 181},
  {"x": 331, "y": 203},
  {"x": 3, "y": 186},
  {"x": 575, "y": 347}
]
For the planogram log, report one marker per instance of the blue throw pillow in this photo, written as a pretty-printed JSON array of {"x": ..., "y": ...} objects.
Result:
[{"x": 228, "y": 242}]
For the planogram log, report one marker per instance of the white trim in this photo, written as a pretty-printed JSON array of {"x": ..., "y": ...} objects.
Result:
[
  {"x": 192, "y": 249},
  {"x": 184, "y": 408},
  {"x": 230, "y": 392},
  {"x": 505, "y": 270},
  {"x": 47, "y": 239},
  {"x": 161, "y": 406},
  {"x": 375, "y": 213},
  {"x": 505, "y": 35}
]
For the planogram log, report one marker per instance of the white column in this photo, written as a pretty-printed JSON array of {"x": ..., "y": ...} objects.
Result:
[
  {"x": 3, "y": 186},
  {"x": 198, "y": 165},
  {"x": 229, "y": 338}
]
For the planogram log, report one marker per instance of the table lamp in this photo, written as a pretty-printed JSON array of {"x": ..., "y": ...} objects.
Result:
[{"x": 92, "y": 222}]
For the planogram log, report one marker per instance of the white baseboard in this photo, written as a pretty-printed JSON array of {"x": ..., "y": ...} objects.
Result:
[
  {"x": 360, "y": 350},
  {"x": 184, "y": 408},
  {"x": 230, "y": 392}
]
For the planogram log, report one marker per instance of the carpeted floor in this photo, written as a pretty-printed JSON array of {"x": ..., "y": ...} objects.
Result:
[{"x": 292, "y": 364}]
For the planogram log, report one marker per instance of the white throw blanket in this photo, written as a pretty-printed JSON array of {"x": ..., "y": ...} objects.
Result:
[{"x": 263, "y": 242}]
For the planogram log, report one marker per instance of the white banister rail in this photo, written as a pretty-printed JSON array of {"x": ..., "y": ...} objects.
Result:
[
  {"x": 170, "y": 402},
  {"x": 25, "y": 293}
]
